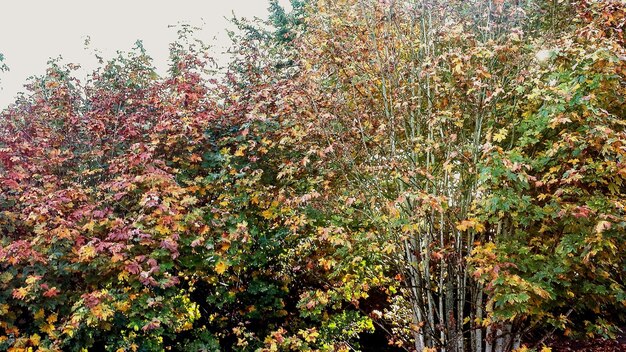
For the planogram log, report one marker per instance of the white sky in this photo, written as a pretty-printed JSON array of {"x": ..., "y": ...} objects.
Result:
[{"x": 32, "y": 31}]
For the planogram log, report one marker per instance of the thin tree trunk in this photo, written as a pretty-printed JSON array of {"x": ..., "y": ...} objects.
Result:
[
  {"x": 489, "y": 339},
  {"x": 478, "y": 339}
]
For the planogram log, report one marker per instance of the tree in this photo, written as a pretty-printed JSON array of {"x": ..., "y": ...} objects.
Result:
[
  {"x": 554, "y": 186},
  {"x": 406, "y": 93},
  {"x": 147, "y": 213},
  {"x": 3, "y": 66}
]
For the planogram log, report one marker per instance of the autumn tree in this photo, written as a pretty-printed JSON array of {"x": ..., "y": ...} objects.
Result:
[
  {"x": 407, "y": 98},
  {"x": 553, "y": 186},
  {"x": 408, "y": 92},
  {"x": 141, "y": 212}
]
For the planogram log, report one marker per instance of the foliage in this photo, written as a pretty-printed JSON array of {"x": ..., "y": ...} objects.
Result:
[
  {"x": 555, "y": 187},
  {"x": 404, "y": 119},
  {"x": 446, "y": 174},
  {"x": 3, "y": 66}
]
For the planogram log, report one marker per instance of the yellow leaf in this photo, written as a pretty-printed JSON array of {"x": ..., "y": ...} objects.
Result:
[
  {"x": 268, "y": 214},
  {"x": 35, "y": 339},
  {"x": 68, "y": 330},
  {"x": 31, "y": 279},
  {"x": 469, "y": 224},
  {"x": 6, "y": 277},
  {"x": 47, "y": 328},
  {"x": 63, "y": 232},
  {"x": 162, "y": 229},
  {"x": 501, "y": 135},
  {"x": 86, "y": 252},
  {"x": 21, "y": 292},
  {"x": 101, "y": 312},
  {"x": 89, "y": 226},
  {"x": 462, "y": 226},
  {"x": 189, "y": 200},
  {"x": 122, "y": 276},
  {"x": 458, "y": 68},
  {"x": 309, "y": 335},
  {"x": 122, "y": 306},
  {"x": 240, "y": 150},
  {"x": 220, "y": 267}
]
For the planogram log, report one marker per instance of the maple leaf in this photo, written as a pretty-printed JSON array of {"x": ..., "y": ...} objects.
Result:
[
  {"x": 163, "y": 230},
  {"x": 63, "y": 233},
  {"x": 240, "y": 150},
  {"x": 35, "y": 339},
  {"x": 48, "y": 328},
  {"x": 220, "y": 267},
  {"x": 20, "y": 293},
  {"x": 465, "y": 224},
  {"x": 154, "y": 324},
  {"x": 89, "y": 226},
  {"x": 31, "y": 279},
  {"x": 133, "y": 267},
  {"x": 51, "y": 292},
  {"x": 501, "y": 135},
  {"x": 188, "y": 200},
  {"x": 169, "y": 244},
  {"x": 602, "y": 225},
  {"x": 309, "y": 335},
  {"x": 194, "y": 158},
  {"x": 86, "y": 252},
  {"x": 102, "y": 312}
]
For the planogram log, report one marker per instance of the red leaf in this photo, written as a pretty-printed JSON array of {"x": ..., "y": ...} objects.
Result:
[{"x": 51, "y": 292}]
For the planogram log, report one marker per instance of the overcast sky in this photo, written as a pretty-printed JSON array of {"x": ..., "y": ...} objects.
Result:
[{"x": 32, "y": 31}]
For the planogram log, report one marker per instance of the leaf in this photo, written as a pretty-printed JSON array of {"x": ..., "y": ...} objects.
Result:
[
  {"x": 602, "y": 225},
  {"x": 240, "y": 150},
  {"x": 220, "y": 267},
  {"x": 51, "y": 292},
  {"x": 89, "y": 226},
  {"x": 47, "y": 328},
  {"x": 194, "y": 158},
  {"x": 20, "y": 293},
  {"x": 35, "y": 339},
  {"x": 501, "y": 135},
  {"x": 163, "y": 230},
  {"x": 86, "y": 252}
]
